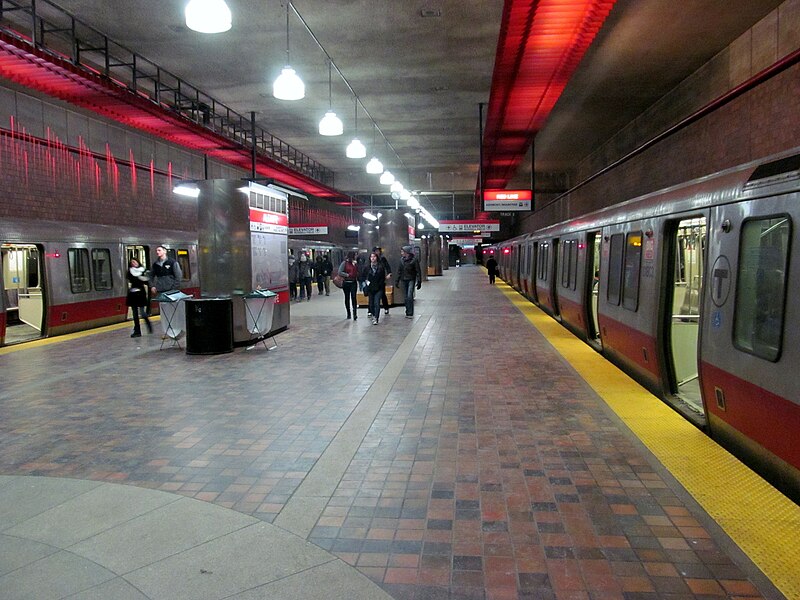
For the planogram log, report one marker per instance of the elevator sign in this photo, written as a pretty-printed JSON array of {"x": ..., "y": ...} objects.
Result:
[
  {"x": 468, "y": 226},
  {"x": 507, "y": 200}
]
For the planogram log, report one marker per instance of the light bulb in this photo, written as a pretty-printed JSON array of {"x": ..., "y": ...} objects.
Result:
[{"x": 288, "y": 85}]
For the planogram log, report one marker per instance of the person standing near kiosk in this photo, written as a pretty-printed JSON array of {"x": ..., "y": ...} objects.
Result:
[{"x": 165, "y": 274}]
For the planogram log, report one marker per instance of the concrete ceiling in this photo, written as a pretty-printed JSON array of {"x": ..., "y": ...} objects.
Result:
[{"x": 419, "y": 78}]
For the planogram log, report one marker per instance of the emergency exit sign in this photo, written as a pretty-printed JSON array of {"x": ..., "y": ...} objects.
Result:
[{"x": 507, "y": 200}]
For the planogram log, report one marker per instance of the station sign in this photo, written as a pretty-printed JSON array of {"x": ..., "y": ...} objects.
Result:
[
  {"x": 308, "y": 230},
  {"x": 507, "y": 200},
  {"x": 266, "y": 221},
  {"x": 468, "y": 226}
]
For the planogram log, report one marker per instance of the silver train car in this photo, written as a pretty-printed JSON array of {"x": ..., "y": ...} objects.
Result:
[
  {"x": 58, "y": 278},
  {"x": 692, "y": 290}
]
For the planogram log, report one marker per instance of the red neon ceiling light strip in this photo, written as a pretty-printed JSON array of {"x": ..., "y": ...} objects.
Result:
[
  {"x": 32, "y": 68},
  {"x": 541, "y": 44}
]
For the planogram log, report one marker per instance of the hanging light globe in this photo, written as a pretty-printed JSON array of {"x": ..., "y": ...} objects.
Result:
[
  {"x": 356, "y": 149},
  {"x": 331, "y": 124},
  {"x": 288, "y": 85},
  {"x": 387, "y": 178},
  {"x": 374, "y": 166},
  {"x": 208, "y": 16}
]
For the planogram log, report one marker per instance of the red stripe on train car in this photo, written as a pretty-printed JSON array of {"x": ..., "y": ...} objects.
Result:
[
  {"x": 571, "y": 311},
  {"x": 80, "y": 312},
  {"x": 631, "y": 343},
  {"x": 2, "y": 327},
  {"x": 770, "y": 420}
]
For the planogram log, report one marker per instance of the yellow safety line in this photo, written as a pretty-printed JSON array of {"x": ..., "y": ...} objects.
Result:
[
  {"x": 759, "y": 519},
  {"x": 66, "y": 337}
]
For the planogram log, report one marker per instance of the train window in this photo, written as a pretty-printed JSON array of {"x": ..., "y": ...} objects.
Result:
[
  {"x": 633, "y": 265},
  {"x": 32, "y": 267},
  {"x": 79, "y": 281},
  {"x": 569, "y": 264},
  {"x": 544, "y": 258},
  {"x": 183, "y": 261},
  {"x": 101, "y": 268},
  {"x": 761, "y": 286},
  {"x": 171, "y": 253},
  {"x": 615, "y": 269}
]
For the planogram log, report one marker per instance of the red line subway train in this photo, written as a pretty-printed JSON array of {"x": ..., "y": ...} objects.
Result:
[
  {"x": 692, "y": 290},
  {"x": 58, "y": 278}
]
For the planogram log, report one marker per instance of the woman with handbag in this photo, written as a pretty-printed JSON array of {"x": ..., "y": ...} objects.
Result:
[{"x": 348, "y": 271}]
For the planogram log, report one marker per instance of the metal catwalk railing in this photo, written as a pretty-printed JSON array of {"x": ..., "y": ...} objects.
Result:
[{"x": 51, "y": 29}]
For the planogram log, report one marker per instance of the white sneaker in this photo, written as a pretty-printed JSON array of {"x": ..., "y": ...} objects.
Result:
[
  {"x": 386, "y": 311},
  {"x": 374, "y": 321}
]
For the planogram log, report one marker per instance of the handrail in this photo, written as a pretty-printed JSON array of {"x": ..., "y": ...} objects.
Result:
[{"x": 52, "y": 29}]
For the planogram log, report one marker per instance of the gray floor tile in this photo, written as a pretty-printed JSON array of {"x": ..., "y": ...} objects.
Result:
[
  {"x": 66, "y": 574},
  {"x": 231, "y": 564},
  {"x": 165, "y": 531},
  {"x": 332, "y": 580},
  {"x": 99, "y": 509},
  {"x": 24, "y": 497},
  {"x": 17, "y": 552}
]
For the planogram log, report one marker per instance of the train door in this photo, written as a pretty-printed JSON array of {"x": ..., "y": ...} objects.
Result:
[
  {"x": 23, "y": 292},
  {"x": 593, "y": 284},
  {"x": 140, "y": 253},
  {"x": 553, "y": 276},
  {"x": 533, "y": 262},
  {"x": 685, "y": 274}
]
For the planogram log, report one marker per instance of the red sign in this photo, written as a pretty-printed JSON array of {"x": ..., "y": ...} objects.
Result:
[{"x": 507, "y": 195}]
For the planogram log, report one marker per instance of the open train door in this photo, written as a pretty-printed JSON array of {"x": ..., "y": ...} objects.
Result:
[
  {"x": 593, "y": 287},
  {"x": 683, "y": 287},
  {"x": 22, "y": 288}
]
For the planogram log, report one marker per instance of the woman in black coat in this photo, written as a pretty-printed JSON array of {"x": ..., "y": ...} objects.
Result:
[
  {"x": 137, "y": 296},
  {"x": 374, "y": 278}
]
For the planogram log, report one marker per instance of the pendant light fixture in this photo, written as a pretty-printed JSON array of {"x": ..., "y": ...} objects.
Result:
[
  {"x": 288, "y": 85},
  {"x": 208, "y": 16},
  {"x": 356, "y": 149},
  {"x": 374, "y": 166},
  {"x": 330, "y": 123},
  {"x": 387, "y": 178}
]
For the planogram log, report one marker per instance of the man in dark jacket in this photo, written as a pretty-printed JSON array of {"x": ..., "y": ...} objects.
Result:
[
  {"x": 165, "y": 274},
  {"x": 491, "y": 266},
  {"x": 410, "y": 274},
  {"x": 388, "y": 270}
]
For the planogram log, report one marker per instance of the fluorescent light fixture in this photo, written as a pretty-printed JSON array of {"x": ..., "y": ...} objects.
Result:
[
  {"x": 421, "y": 225},
  {"x": 354, "y": 227},
  {"x": 397, "y": 187},
  {"x": 374, "y": 166},
  {"x": 387, "y": 178},
  {"x": 288, "y": 85},
  {"x": 368, "y": 215},
  {"x": 189, "y": 190},
  {"x": 356, "y": 149},
  {"x": 405, "y": 195},
  {"x": 208, "y": 16}
]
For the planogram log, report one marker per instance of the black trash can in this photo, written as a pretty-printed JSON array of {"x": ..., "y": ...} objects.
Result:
[{"x": 209, "y": 325}]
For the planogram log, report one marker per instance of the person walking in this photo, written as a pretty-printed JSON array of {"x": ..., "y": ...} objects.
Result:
[
  {"x": 410, "y": 274},
  {"x": 348, "y": 270},
  {"x": 304, "y": 275},
  {"x": 491, "y": 266},
  {"x": 374, "y": 278},
  {"x": 388, "y": 270},
  {"x": 318, "y": 269},
  {"x": 165, "y": 273},
  {"x": 137, "y": 296},
  {"x": 327, "y": 271},
  {"x": 292, "y": 277}
]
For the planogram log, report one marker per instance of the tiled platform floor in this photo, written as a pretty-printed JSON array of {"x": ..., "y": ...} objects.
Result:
[{"x": 454, "y": 455}]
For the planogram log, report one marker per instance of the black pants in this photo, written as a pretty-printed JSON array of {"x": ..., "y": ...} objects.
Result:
[
  {"x": 349, "y": 288},
  {"x": 491, "y": 278},
  {"x": 137, "y": 328}
]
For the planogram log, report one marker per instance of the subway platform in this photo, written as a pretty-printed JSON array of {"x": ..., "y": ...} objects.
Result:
[{"x": 475, "y": 451}]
